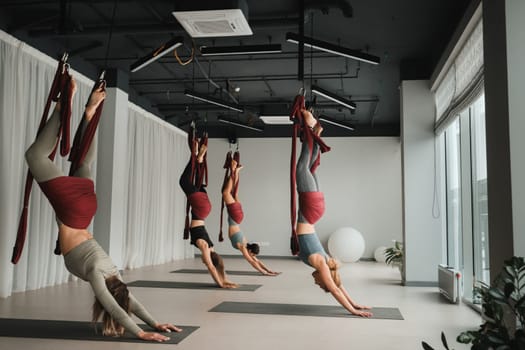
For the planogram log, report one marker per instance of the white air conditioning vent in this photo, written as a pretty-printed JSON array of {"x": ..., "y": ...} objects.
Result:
[{"x": 214, "y": 23}]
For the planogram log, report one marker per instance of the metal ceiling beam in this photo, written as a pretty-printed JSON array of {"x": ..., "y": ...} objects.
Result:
[
  {"x": 253, "y": 106},
  {"x": 150, "y": 28},
  {"x": 244, "y": 78}
]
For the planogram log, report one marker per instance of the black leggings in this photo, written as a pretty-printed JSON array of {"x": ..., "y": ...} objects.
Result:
[{"x": 186, "y": 183}]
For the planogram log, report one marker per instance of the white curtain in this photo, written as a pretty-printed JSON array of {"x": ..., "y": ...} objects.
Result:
[
  {"x": 157, "y": 155},
  {"x": 25, "y": 77}
]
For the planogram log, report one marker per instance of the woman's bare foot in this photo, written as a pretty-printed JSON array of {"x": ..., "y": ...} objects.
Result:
[
  {"x": 235, "y": 167},
  {"x": 72, "y": 91},
  {"x": 202, "y": 152},
  {"x": 73, "y": 87},
  {"x": 95, "y": 99}
]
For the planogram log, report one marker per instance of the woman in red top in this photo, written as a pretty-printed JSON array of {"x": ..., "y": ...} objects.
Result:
[{"x": 74, "y": 200}]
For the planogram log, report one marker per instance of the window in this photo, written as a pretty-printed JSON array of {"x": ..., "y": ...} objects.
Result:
[
  {"x": 465, "y": 170},
  {"x": 479, "y": 192},
  {"x": 453, "y": 194}
]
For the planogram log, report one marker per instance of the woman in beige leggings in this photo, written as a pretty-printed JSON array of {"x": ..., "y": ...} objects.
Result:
[{"x": 74, "y": 200}]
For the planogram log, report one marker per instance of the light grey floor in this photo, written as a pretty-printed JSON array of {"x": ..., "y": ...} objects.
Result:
[{"x": 426, "y": 313}]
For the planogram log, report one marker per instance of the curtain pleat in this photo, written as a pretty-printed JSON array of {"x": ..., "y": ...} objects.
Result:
[
  {"x": 25, "y": 77},
  {"x": 155, "y": 216}
]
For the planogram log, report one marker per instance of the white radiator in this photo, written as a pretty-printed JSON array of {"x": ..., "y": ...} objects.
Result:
[{"x": 449, "y": 283}]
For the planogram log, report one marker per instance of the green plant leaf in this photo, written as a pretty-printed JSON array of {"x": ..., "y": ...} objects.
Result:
[
  {"x": 511, "y": 271},
  {"x": 521, "y": 302},
  {"x": 444, "y": 340},
  {"x": 497, "y": 294},
  {"x": 426, "y": 346},
  {"x": 508, "y": 289},
  {"x": 467, "y": 337},
  {"x": 495, "y": 340}
]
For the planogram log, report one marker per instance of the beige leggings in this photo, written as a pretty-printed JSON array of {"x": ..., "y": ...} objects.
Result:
[{"x": 37, "y": 155}]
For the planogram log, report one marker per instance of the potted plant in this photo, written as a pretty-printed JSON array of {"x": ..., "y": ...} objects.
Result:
[
  {"x": 394, "y": 256},
  {"x": 503, "y": 312}
]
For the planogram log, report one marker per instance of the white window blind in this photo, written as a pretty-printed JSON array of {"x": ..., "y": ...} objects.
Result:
[{"x": 463, "y": 81}]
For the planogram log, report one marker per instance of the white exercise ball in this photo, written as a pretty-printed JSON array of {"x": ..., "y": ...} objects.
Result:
[
  {"x": 379, "y": 254},
  {"x": 346, "y": 244}
]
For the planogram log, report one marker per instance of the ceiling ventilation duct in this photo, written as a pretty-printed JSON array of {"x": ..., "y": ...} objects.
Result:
[{"x": 215, "y": 19}]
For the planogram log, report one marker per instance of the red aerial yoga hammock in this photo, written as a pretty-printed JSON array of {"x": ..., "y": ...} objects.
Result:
[
  {"x": 198, "y": 201},
  {"x": 60, "y": 90},
  {"x": 81, "y": 144},
  {"x": 314, "y": 200},
  {"x": 234, "y": 209}
]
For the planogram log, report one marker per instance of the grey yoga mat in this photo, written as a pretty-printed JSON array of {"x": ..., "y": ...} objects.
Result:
[
  {"x": 76, "y": 330},
  {"x": 190, "y": 285},
  {"x": 229, "y": 272},
  {"x": 301, "y": 310}
]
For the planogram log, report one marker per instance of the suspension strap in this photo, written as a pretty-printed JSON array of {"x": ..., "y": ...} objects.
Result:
[
  {"x": 227, "y": 172},
  {"x": 83, "y": 139},
  {"x": 60, "y": 91},
  {"x": 307, "y": 134}
]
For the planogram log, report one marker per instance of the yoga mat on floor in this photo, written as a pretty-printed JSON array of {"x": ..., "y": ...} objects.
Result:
[
  {"x": 301, "y": 310},
  {"x": 229, "y": 272},
  {"x": 77, "y": 330},
  {"x": 190, "y": 285}
]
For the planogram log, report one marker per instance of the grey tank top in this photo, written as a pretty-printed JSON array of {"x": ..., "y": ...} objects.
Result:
[
  {"x": 309, "y": 244},
  {"x": 91, "y": 263}
]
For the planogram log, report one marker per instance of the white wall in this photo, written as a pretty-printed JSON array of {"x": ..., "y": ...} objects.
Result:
[
  {"x": 515, "y": 52},
  {"x": 360, "y": 177},
  {"x": 422, "y": 231}
]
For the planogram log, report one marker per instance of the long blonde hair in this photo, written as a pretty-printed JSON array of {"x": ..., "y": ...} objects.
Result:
[
  {"x": 120, "y": 292},
  {"x": 333, "y": 265}
]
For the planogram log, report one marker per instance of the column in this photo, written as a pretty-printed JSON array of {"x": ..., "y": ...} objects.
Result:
[{"x": 110, "y": 222}]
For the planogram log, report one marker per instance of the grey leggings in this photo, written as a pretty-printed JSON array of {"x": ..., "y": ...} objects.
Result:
[
  {"x": 306, "y": 180},
  {"x": 37, "y": 155}
]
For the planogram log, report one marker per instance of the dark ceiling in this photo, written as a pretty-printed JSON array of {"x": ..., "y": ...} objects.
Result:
[{"x": 407, "y": 35}]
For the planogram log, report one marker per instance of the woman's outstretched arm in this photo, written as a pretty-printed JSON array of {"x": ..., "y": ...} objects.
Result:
[
  {"x": 206, "y": 259},
  {"x": 354, "y": 304},
  {"x": 111, "y": 306},
  {"x": 256, "y": 264},
  {"x": 337, "y": 293},
  {"x": 140, "y": 311}
]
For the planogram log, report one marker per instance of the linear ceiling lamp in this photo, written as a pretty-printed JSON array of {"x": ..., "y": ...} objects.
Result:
[
  {"x": 276, "y": 119},
  {"x": 335, "y": 122},
  {"x": 331, "y": 48},
  {"x": 331, "y": 96},
  {"x": 238, "y": 123},
  {"x": 157, "y": 53},
  {"x": 213, "y": 100},
  {"x": 240, "y": 50}
]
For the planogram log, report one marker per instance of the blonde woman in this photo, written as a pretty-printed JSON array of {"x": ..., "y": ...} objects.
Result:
[
  {"x": 74, "y": 201},
  {"x": 235, "y": 215},
  {"x": 311, "y": 208}
]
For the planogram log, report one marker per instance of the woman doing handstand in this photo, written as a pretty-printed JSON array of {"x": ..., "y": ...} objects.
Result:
[
  {"x": 200, "y": 209},
  {"x": 311, "y": 208},
  {"x": 235, "y": 215},
  {"x": 74, "y": 200}
]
